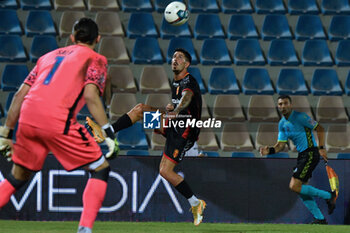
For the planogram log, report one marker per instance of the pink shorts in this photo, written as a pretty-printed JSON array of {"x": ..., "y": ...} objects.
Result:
[{"x": 76, "y": 149}]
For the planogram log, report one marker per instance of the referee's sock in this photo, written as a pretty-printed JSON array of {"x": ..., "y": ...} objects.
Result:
[
  {"x": 6, "y": 190},
  {"x": 186, "y": 191},
  {"x": 311, "y": 205},
  {"x": 314, "y": 192}
]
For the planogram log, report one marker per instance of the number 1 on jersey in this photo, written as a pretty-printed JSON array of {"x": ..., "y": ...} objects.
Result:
[{"x": 48, "y": 78}]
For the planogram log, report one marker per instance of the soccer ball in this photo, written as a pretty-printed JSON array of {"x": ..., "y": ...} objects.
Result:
[{"x": 176, "y": 13}]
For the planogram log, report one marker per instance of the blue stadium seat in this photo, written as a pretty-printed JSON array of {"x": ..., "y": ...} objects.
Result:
[
  {"x": 8, "y": 4},
  {"x": 325, "y": 82},
  {"x": 13, "y": 76},
  {"x": 11, "y": 49},
  {"x": 168, "y": 31},
  {"x": 347, "y": 84},
  {"x": 242, "y": 155},
  {"x": 195, "y": 72},
  {"x": 282, "y": 53},
  {"x": 316, "y": 53},
  {"x": 241, "y": 27},
  {"x": 185, "y": 43},
  {"x": 147, "y": 51},
  {"x": 160, "y": 5},
  {"x": 298, "y": 7},
  {"x": 237, "y": 6},
  {"x": 9, "y": 23},
  {"x": 335, "y": 7},
  {"x": 342, "y": 56},
  {"x": 223, "y": 81},
  {"x": 339, "y": 29},
  {"x": 141, "y": 25},
  {"x": 133, "y": 138},
  {"x": 203, "y": 6},
  {"x": 36, "y": 5},
  {"x": 309, "y": 27},
  {"x": 248, "y": 52},
  {"x": 208, "y": 26},
  {"x": 256, "y": 81},
  {"x": 275, "y": 27},
  {"x": 291, "y": 82},
  {"x": 343, "y": 156},
  {"x": 137, "y": 153},
  {"x": 280, "y": 155},
  {"x": 269, "y": 7},
  {"x": 215, "y": 52},
  {"x": 40, "y": 23},
  {"x": 211, "y": 153},
  {"x": 42, "y": 45},
  {"x": 136, "y": 5}
]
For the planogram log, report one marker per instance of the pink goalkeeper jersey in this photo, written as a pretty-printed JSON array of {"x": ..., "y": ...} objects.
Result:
[{"x": 57, "y": 85}]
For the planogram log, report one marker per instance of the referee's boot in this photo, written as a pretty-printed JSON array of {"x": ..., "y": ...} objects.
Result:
[
  {"x": 197, "y": 212},
  {"x": 331, "y": 202},
  {"x": 320, "y": 221}
]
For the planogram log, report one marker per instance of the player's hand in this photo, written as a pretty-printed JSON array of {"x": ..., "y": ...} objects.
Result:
[
  {"x": 112, "y": 143},
  {"x": 264, "y": 150},
  {"x": 6, "y": 146},
  {"x": 323, "y": 153}
]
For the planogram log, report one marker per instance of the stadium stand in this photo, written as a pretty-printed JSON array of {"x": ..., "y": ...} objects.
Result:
[
  {"x": 241, "y": 27},
  {"x": 203, "y": 6},
  {"x": 301, "y": 104},
  {"x": 146, "y": 51},
  {"x": 41, "y": 45},
  {"x": 339, "y": 28},
  {"x": 309, "y": 27},
  {"x": 332, "y": 7},
  {"x": 74, "y": 5},
  {"x": 109, "y": 24},
  {"x": 330, "y": 109},
  {"x": 262, "y": 108},
  {"x": 242, "y": 155},
  {"x": 13, "y": 76},
  {"x": 275, "y": 27},
  {"x": 235, "y": 137},
  {"x": 9, "y": 4},
  {"x": 298, "y": 7},
  {"x": 238, "y": 6},
  {"x": 325, "y": 82},
  {"x": 208, "y": 26},
  {"x": 269, "y": 7},
  {"x": 291, "y": 82},
  {"x": 68, "y": 18},
  {"x": 282, "y": 53},
  {"x": 40, "y": 23},
  {"x": 280, "y": 155},
  {"x": 167, "y": 31},
  {"x": 342, "y": 57},
  {"x": 316, "y": 53},
  {"x": 157, "y": 141},
  {"x": 223, "y": 80},
  {"x": 205, "y": 111},
  {"x": 215, "y": 52},
  {"x": 113, "y": 48},
  {"x": 102, "y": 5},
  {"x": 228, "y": 108},
  {"x": 35, "y": 4},
  {"x": 347, "y": 84},
  {"x": 141, "y": 24},
  {"x": 207, "y": 141},
  {"x": 256, "y": 81},
  {"x": 248, "y": 52},
  {"x": 120, "y": 104},
  {"x": 12, "y": 49},
  {"x": 136, "y": 5},
  {"x": 195, "y": 72},
  {"x": 266, "y": 135},
  {"x": 122, "y": 79},
  {"x": 338, "y": 138},
  {"x": 137, "y": 152},
  {"x": 159, "y": 101},
  {"x": 133, "y": 138},
  {"x": 9, "y": 22},
  {"x": 154, "y": 80}
]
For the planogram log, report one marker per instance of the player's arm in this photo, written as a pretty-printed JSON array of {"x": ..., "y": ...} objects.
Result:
[
  {"x": 94, "y": 104},
  {"x": 184, "y": 102},
  {"x": 279, "y": 146},
  {"x": 107, "y": 94},
  {"x": 321, "y": 141}
]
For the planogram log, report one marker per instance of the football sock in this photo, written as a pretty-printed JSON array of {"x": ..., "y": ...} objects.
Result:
[
  {"x": 6, "y": 190},
  {"x": 193, "y": 200},
  {"x": 311, "y": 204},
  {"x": 314, "y": 192},
  {"x": 93, "y": 197},
  {"x": 122, "y": 123}
]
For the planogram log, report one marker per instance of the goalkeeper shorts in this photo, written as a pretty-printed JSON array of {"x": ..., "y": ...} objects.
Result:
[{"x": 76, "y": 149}]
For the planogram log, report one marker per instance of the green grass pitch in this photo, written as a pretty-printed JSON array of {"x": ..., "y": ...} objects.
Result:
[{"x": 140, "y": 227}]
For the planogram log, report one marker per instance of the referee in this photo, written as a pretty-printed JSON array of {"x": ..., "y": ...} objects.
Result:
[{"x": 298, "y": 127}]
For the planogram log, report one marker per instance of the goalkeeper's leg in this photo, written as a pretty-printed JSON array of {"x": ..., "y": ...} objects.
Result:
[
  {"x": 93, "y": 196},
  {"x": 15, "y": 180}
]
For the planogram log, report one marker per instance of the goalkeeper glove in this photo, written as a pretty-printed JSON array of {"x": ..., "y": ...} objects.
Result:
[
  {"x": 111, "y": 142},
  {"x": 6, "y": 142}
]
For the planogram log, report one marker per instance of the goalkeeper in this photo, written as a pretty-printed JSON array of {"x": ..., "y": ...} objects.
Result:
[
  {"x": 298, "y": 127},
  {"x": 45, "y": 107}
]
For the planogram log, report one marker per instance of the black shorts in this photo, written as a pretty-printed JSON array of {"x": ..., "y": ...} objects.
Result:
[
  {"x": 176, "y": 146},
  {"x": 306, "y": 164}
]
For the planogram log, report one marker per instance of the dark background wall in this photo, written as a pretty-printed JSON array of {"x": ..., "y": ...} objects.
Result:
[{"x": 236, "y": 190}]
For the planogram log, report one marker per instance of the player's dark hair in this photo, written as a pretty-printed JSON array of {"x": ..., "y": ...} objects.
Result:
[
  {"x": 187, "y": 54},
  {"x": 285, "y": 97},
  {"x": 85, "y": 30}
]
